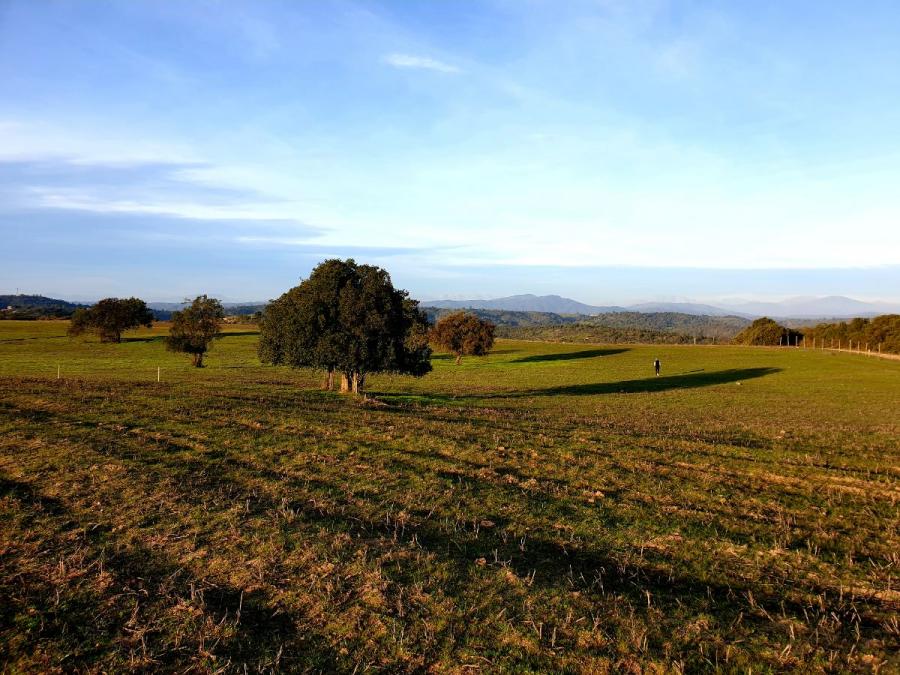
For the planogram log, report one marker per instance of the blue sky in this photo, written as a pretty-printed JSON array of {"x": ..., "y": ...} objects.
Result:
[{"x": 609, "y": 150}]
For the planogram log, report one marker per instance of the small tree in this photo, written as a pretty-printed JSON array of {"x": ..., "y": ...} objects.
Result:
[
  {"x": 110, "y": 317},
  {"x": 464, "y": 334},
  {"x": 194, "y": 328},
  {"x": 347, "y": 319}
]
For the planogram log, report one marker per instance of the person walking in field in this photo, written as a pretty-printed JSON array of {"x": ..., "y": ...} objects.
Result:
[{"x": 656, "y": 366}]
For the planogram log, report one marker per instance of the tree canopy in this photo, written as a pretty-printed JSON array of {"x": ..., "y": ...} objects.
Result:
[
  {"x": 765, "y": 331},
  {"x": 348, "y": 319},
  {"x": 110, "y": 317},
  {"x": 464, "y": 334},
  {"x": 194, "y": 327}
]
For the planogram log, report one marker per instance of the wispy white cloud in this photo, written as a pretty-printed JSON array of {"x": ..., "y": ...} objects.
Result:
[
  {"x": 83, "y": 144},
  {"x": 174, "y": 197},
  {"x": 419, "y": 62}
]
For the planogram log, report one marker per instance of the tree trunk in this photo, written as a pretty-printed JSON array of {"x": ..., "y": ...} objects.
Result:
[
  {"x": 328, "y": 385},
  {"x": 352, "y": 382},
  {"x": 198, "y": 360},
  {"x": 458, "y": 358}
]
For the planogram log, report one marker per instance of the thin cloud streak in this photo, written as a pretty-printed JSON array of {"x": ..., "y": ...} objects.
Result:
[{"x": 420, "y": 63}]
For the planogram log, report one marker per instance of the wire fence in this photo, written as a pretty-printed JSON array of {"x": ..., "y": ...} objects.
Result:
[{"x": 850, "y": 347}]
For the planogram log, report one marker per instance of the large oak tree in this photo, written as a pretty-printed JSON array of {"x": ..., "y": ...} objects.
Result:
[
  {"x": 110, "y": 317},
  {"x": 346, "y": 319}
]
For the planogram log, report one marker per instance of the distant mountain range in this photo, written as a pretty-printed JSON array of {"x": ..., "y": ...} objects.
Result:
[
  {"x": 831, "y": 306},
  {"x": 525, "y": 303},
  {"x": 797, "y": 308}
]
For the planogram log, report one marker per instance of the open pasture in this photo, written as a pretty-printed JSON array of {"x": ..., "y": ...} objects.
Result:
[{"x": 551, "y": 507}]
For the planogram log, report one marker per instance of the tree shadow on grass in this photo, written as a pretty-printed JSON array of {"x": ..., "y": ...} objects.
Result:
[
  {"x": 160, "y": 338},
  {"x": 143, "y": 338},
  {"x": 689, "y": 380},
  {"x": 236, "y": 333},
  {"x": 35, "y": 337},
  {"x": 416, "y": 400},
  {"x": 571, "y": 356},
  {"x": 652, "y": 384},
  {"x": 493, "y": 352}
]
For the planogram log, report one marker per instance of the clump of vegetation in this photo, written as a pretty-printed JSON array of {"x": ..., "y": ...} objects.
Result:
[
  {"x": 194, "y": 328},
  {"x": 347, "y": 319},
  {"x": 464, "y": 334},
  {"x": 882, "y": 330},
  {"x": 766, "y": 332},
  {"x": 110, "y": 317}
]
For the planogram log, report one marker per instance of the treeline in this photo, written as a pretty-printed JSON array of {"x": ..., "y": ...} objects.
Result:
[
  {"x": 34, "y": 307},
  {"x": 502, "y": 317},
  {"x": 601, "y": 334},
  {"x": 883, "y": 331},
  {"x": 704, "y": 328}
]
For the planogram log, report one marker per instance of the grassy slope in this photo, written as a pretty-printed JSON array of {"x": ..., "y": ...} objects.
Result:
[{"x": 550, "y": 507}]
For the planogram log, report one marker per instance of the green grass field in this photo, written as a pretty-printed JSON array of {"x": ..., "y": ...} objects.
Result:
[{"x": 551, "y": 507}]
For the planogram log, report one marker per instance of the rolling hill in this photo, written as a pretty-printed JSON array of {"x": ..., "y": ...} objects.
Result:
[{"x": 526, "y": 303}]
